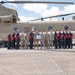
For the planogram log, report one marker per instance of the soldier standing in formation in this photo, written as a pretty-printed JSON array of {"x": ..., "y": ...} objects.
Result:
[
  {"x": 47, "y": 37},
  {"x": 9, "y": 41},
  {"x": 71, "y": 37},
  {"x": 26, "y": 41},
  {"x": 56, "y": 40},
  {"x": 13, "y": 40},
  {"x": 51, "y": 39},
  {"x": 60, "y": 39},
  {"x": 22, "y": 40},
  {"x": 31, "y": 39},
  {"x": 42, "y": 43},
  {"x": 36, "y": 40},
  {"x": 64, "y": 39},
  {"x": 17, "y": 40},
  {"x": 68, "y": 41}
]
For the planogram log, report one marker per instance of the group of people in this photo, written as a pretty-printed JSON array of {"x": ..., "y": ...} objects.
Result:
[
  {"x": 63, "y": 39},
  {"x": 13, "y": 40},
  {"x": 46, "y": 40}
]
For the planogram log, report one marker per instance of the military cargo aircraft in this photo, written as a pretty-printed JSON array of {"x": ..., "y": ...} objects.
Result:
[{"x": 9, "y": 20}]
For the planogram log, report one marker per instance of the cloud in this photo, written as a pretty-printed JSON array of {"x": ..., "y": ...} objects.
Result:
[
  {"x": 57, "y": 11},
  {"x": 23, "y": 19},
  {"x": 69, "y": 9},
  {"x": 44, "y": 11},
  {"x": 50, "y": 12},
  {"x": 37, "y": 8},
  {"x": 15, "y": 5}
]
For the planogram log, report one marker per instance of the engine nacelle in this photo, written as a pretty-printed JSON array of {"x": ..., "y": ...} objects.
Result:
[{"x": 8, "y": 19}]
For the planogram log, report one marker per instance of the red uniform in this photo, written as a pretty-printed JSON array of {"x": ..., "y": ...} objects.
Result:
[
  {"x": 13, "y": 41},
  {"x": 56, "y": 40},
  {"x": 9, "y": 41}
]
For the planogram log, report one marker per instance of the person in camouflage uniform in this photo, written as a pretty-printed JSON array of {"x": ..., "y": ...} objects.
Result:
[
  {"x": 26, "y": 41},
  {"x": 42, "y": 40},
  {"x": 51, "y": 39},
  {"x": 22, "y": 40},
  {"x": 36, "y": 41},
  {"x": 46, "y": 39}
]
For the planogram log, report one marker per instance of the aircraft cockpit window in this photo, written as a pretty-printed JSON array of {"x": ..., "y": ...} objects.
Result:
[
  {"x": 50, "y": 28},
  {"x": 15, "y": 29},
  {"x": 17, "y": 14},
  {"x": 14, "y": 19},
  {"x": 66, "y": 27}
]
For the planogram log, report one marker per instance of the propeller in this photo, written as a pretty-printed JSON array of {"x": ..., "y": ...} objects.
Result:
[
  {"x": 52, "y": 16},
  {"x": 46, "y": 2}
]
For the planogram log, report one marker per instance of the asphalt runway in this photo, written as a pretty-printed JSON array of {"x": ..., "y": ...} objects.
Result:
[{"x": 37, "y": 62}]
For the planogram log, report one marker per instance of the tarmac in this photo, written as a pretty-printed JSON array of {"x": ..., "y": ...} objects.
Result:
[{"x": 37, "y": 62}]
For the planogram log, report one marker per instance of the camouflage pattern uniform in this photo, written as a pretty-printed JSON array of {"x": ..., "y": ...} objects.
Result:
[
  {"x": 46, "y": 40},
  {"x": 36, "y": 41},
  {"x": 26, "y": 41},
  {"x": 42, "y": 40},
  {"x": 22, "y": 40},
  {"x": 51, "y": 39}
]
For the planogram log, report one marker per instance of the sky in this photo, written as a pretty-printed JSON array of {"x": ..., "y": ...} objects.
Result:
[{"x": 28, "y": 12}]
